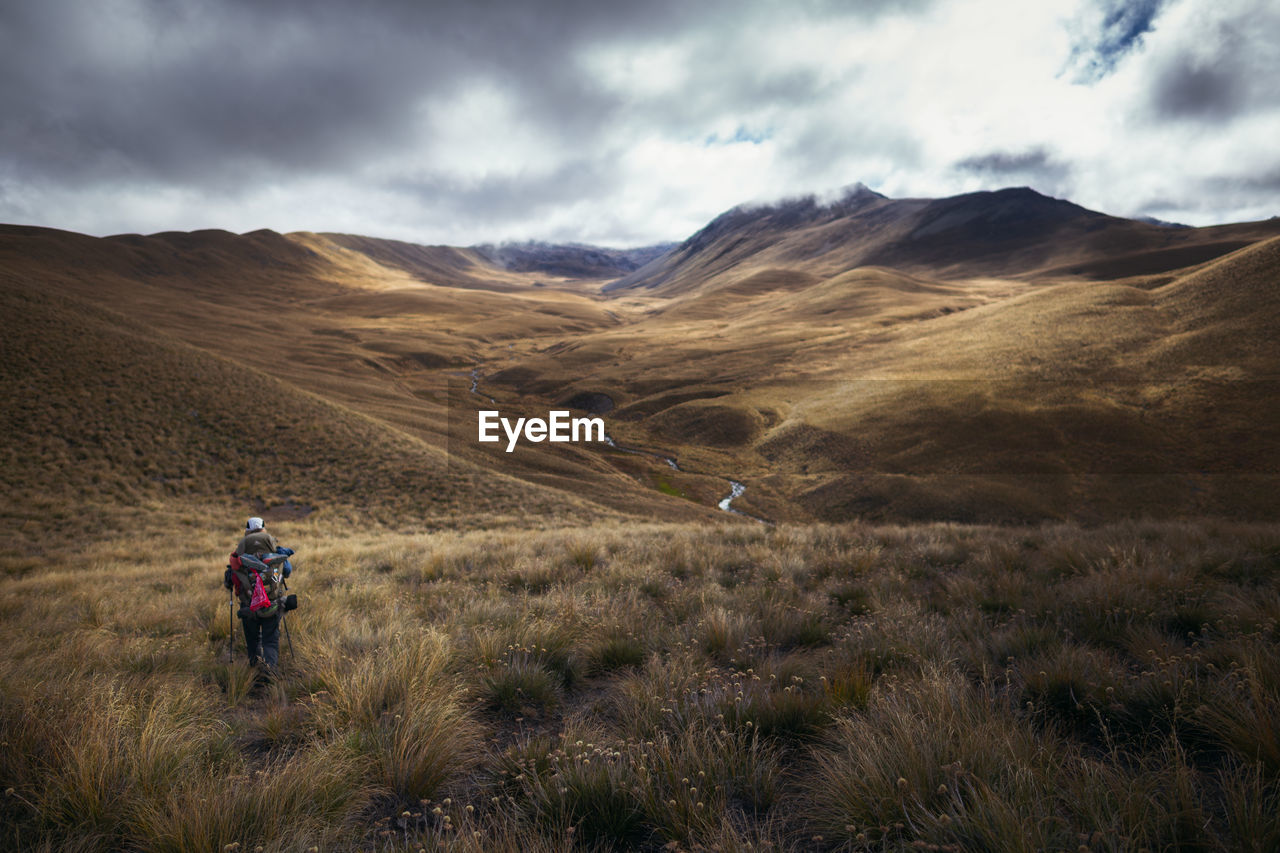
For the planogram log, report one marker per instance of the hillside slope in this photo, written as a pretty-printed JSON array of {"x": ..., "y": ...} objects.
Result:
[
  {"x": 1009, "y": 232},
  {"x": 1089, "y": 399},
  {"x": 874, "y": 393},
  {"x": 343, "y": 327},
  {"x": 1071, "y": 385},
  {"x": 105, "y": 418}
]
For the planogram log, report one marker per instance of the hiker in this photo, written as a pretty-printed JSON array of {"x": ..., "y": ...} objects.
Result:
[{"x": 261, "y": 592}]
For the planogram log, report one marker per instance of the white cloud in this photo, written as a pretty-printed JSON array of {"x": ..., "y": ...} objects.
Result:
[{"x": 622, "y": 126}]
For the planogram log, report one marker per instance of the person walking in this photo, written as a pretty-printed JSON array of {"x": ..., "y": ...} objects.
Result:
[{"x": 261, "y": 594}]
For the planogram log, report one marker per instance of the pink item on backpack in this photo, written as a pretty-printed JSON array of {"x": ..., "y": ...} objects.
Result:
[{"x": 259, "y": 599}]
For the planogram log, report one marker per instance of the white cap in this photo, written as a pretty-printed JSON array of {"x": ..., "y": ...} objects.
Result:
[{"x": 253, "y": 524}]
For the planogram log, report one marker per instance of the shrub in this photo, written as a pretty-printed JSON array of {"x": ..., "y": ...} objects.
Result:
[
  {"x": 303, "y": 799},
  {"x": 1245, "y": 718},
  {"x": 1072, "y": 687},
  {"x": 687, "y": 781},
  {"x": 381, "y": 683},
  {"x": 234, "y": 679},
  {"x": 429, "y": 743},
  {"x": 581, "y": 785},
  {"x": 583, "y": 555},
  {"x": 615, "y": 649},
  {"x": 854, "y": 598},
  {"x": 934, "y": 762},
  {"x": 722, "y": 633},
  {"x": 520, "y": 683},
  {"x": 792, "y": 627}
]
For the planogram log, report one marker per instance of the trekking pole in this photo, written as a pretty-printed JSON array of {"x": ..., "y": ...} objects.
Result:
[
  {"x": 285, "y": 622},
  {"x": 231, "y": 627}
]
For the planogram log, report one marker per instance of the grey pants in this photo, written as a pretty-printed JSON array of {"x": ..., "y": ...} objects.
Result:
[{"x": 262, "y": 636}]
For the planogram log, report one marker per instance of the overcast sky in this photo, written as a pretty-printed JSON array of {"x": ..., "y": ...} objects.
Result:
[{"x": 621, "y": 123}]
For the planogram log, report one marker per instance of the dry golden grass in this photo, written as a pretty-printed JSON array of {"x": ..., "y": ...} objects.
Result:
[
  {"x": 105, "y": 423},
  {"x": 637, "y": 686},
  {"x": 872, "y": 394},
  {"x": 565, "y": 677},
  {"x": 833, "y": 390},
  {"x": 264, "y": 369}
]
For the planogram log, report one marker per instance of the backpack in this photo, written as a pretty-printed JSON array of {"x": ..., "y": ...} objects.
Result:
[{"x": 261, "y": 579}]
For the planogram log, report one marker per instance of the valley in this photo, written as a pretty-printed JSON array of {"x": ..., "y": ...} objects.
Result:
[
  {"x": 917, "y": 523},
  {"x": 1025, "y": 360}
]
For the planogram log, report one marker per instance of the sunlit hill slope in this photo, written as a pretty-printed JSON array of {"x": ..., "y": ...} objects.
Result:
[{"x": 996, "y": 356}]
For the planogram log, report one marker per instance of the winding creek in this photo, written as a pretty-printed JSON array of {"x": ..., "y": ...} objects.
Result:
[
  {"x": 736, "y": 489},
  {"x": 475, "y": 386}
]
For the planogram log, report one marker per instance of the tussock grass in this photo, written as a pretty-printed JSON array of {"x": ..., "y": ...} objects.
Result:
[
  {"x": 322, "y": 790},
  {"x": 616, "y": 648},
  {"x": 820, "y": 687},
  {"x": 936, "y": 760}
]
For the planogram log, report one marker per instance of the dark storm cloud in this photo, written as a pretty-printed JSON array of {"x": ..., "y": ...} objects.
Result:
[
  {"x": 1189, "y": 89},
  {"x": 475, "y": 120},
  {"x": 186, "y": 90},
  {"x": 191, "y": 88},
  {"x": 1246, "y": 186},
  {"x": 1248, "y": 191},
  {"x": 213, "y": 94},
  {"x": 195, "y": 90},
  {"x": 1233, "y": 68},
  {"x": 1037, "y": 160},
  {"x": 1100, "y": 47},
  {"x": 498, "y": 199},
  {"x": 1036, "y": 167}
]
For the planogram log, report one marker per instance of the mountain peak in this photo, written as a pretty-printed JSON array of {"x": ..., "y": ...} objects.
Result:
[
  {"x": 788, "y": 212},
  {"x": 858, "y": 191},
  {"x": 1151, "y": 220},
  {"x": 839, "y": 202},
  {"x": 1010, "y": 231}
]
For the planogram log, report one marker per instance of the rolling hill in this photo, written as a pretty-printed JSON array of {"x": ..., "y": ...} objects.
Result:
[
  {"x": 210, "y": 373},
  {"x": 107, "y": 423},
  {"x": 997, "y": 356},
  {"x": 1010, "y": 233}
]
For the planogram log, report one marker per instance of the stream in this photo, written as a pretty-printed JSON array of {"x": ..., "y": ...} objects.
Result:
[
  {"x": 475, "y": 386},
  {"x": 736, "y": 489}
]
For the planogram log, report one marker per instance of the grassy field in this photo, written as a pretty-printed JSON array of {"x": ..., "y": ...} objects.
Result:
[
  {"x": 572, "y": 648},
  {"x": 832, "y": 393},
  {"x": 671, "y": 687}
]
